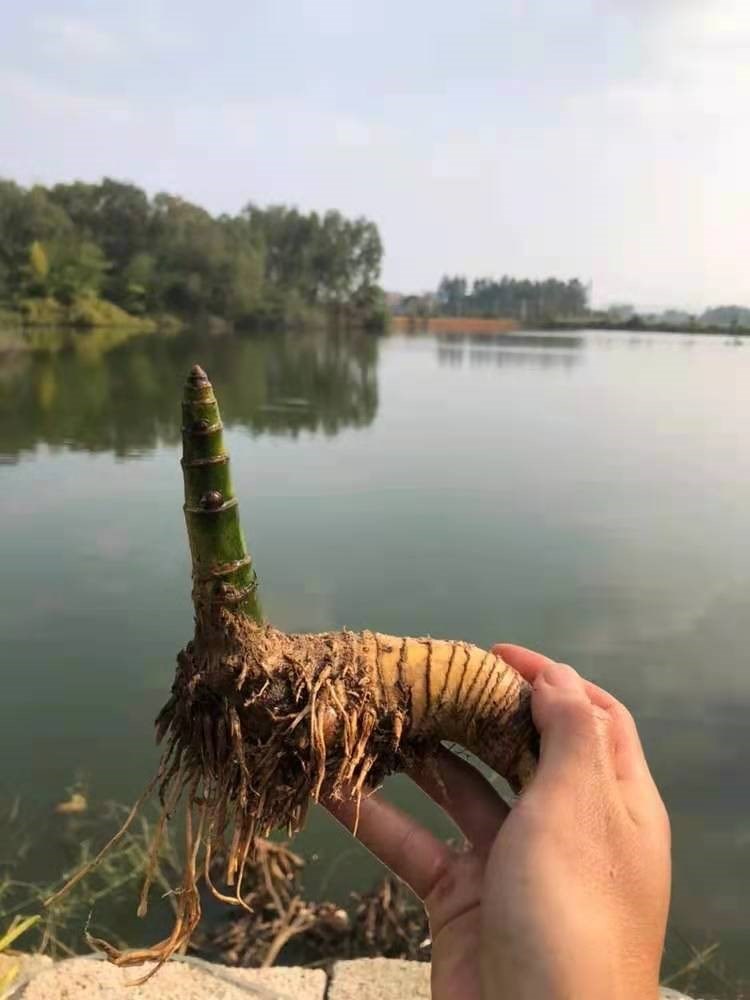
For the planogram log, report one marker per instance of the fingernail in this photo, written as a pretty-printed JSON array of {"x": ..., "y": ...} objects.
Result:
[{"x": 561, "y": 676}]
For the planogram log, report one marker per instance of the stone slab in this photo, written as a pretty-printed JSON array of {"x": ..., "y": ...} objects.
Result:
[
  {"x": 387, "y": 979},
  {"x": 23, "y": 968},
  {"x": 91, "y": 979},
  {"x": 380, "y": 979}
]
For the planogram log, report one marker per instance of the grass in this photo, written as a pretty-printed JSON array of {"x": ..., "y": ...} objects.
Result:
[
  {"x": 57, "y": 931},
  {"x": 700, "y": 971},
  {"x": 9, "y": 974},
  {"x": 61, "y": 931}
]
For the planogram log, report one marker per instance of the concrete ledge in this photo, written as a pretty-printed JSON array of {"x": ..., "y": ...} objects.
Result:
[
  {"x": 388, "y": 979},
  {"x": 90, "y": 979},
  {"x": 21, "y": 968},
  {"x": 380, "y": 979},
  {"x": 363, "y": 979}
]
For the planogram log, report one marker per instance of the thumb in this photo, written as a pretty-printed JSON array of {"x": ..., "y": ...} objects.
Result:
[{"x": 569, "y": 725}]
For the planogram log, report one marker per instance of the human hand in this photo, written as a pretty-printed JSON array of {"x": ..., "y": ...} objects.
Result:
[{"x": 565, "y": 895}]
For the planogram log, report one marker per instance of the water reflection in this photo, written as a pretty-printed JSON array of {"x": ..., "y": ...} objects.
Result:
[
  {"x": 111, "y": 391},
  {"x": 507, "y": 350}
]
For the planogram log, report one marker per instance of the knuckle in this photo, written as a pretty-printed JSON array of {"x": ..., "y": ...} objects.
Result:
[
  {"x": 623, "y": 716},
  {"x": 578, "y": 713},
  {"x": 559, "y": 682},
  {"x": 441, "y": 881},
  {"x": 567, "y": 674}
]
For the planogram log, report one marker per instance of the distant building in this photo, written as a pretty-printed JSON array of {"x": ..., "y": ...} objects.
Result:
[{"x": 411, "y": 305}]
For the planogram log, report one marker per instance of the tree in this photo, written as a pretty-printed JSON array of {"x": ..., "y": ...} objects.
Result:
[
  {"x": 367, "y": 254},
  {"x": 138, "y": 278},
  {"x": 38, "y": 268},
  {"x": 167, "y": 255},
  {"x": 113, "y": 215},
  {"x": 451, "y": 294},
  {"x": 26, "y": 216},
  {"x": 76, "y": 268},
  {"x": 509, "y": 297}
]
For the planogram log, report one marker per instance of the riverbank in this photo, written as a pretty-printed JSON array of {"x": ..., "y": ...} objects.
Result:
[
  {"x": 637, "y": 325},
  {"x": 93, "y": 313},
  {"x": 85, "y": 312},
  {"x": 483, "y": 326},
  {"x": 363, "y": 979},
  {"x": 453, "y": 324}
]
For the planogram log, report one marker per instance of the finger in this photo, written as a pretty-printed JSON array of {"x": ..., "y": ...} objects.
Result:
[
  {"x": 630, "y": 760},
  {"x": 612, "y": 717},
  {"x": 572, "y": 730},
  {"x": 399, "y": 841},
  {"x": 528, "y": 663},
  {"x": 628, "y": 753},
  {"x": 633, "y": 774},
  {"x": 466, "y": 795}
]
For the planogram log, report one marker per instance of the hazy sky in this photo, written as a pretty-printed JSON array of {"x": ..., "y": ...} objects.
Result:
[{"x": 605, "y": 139}]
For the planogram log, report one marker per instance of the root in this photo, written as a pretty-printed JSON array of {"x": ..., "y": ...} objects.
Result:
[{"x": 387, "y": 921}]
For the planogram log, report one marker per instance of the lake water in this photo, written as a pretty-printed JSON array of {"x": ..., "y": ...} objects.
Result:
[{"x": 584, "y": 495}]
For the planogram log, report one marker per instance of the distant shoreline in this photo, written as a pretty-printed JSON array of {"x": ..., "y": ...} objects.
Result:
[
  {"x": 479, "y": 325},
  {"x": 641, "y": 327},
  {"x": 453, "y": 324}
]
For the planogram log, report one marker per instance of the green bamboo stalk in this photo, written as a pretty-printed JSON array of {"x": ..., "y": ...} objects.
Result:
[{"x": 223, "y": 574}]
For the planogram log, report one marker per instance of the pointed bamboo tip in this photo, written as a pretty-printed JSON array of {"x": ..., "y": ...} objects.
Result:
[
  {"x": 197, "y": 374},
  {"x": 197, "y": 379}
]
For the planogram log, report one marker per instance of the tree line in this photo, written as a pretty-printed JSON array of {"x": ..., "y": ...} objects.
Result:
[
  {"x": 163, "y": 255},
  {"x": 528, "y": 301}
]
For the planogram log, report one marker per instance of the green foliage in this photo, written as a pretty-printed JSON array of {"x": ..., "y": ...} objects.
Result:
[
  {"x": 77, "y": 268},
  {"x": 371, "y": 303},
  {"x": 113, "y": 215},
  {"x": 38, "y": 265},
  {"x": 89, "y": 312},
  {"x": 84, "y": 312},
  {"x": 42, "y": 312},
  {"x": 166, "y": 255},
  {"x": 18, "y": 926},
  {"x": 57, "y": 930},
  {"x": 137, "y": 279},
  {"x": 9, "y": 320},
  {"x": 451, "y": 295},
  {"x": 26, "y": 216}
]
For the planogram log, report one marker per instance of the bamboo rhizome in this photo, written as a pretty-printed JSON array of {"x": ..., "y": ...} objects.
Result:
[{"x": 260, "y": 723}]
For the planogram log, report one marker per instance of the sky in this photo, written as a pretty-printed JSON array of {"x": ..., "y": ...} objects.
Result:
[{"x": 601, "y": 139}]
